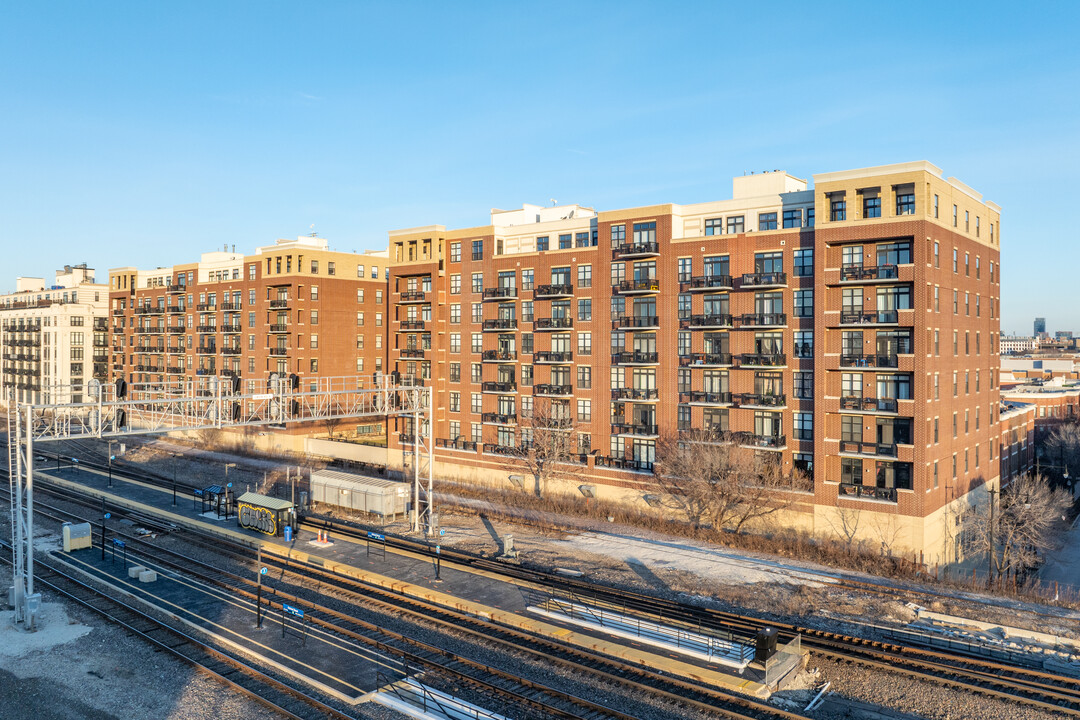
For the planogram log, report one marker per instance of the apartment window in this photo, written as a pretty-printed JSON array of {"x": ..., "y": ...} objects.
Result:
[
  {"x": 478, "y": 282},
  {"x": 955, "y": 260},
  {"x": 581, "y": 239},
  {"x": 837, "y": 210},
  {"x": 379, "y": 296},
  {"x": 331, "y": 268},
  {"x": 526, "y": 343},
  {"x": 736, "y": 224},
  {"x": 542, "y": 243},
  {"x": 314, "y": 267},
  {"x": 565, "y": 241},
  {"x": 455, "y": 313},
  {"x": 618, "y": 273},
  {"x": 477, "y": 249},
  {"x": 937, "y": 344},
  {"x": 714, "y": 226},
  {"x": 584, "y": 377},
  {"x": 792, "y": 219},
  {"x": 872, "y": 207},
  {"x": 314, "y": 365},
  {"x": 584, "y": 343},
  {"x": 978, "y": 268},
  {"x": 527, "y": 311},
  {"x": 476, "y": 402},
  {"x": 956, "y": 302},
  {"x": 315, "y": 317},
  {"x": 584, "y": 410},
  {"x": 618, "y": 235},
  {"x": 455, "y": 372},
  {"x": 937, "y": 299},
  {"x": 455, "y": 284},
  {"x": 955, "y": 222},
  {"x": 809, "y": 217},
  {"x": 804, "y": 385},
  {"x": 378, "y": 319},
  {"x": 527, "y": 279},
  {"x": 967, "y": 303},
  {"x": 767, "y": 221},
  {"x": 955, "y": 343},
  {"x": 684, "y": 342},
  {"x": 477, "y": 371},
  {"x": 359, "y": 342},
  {"x": 584, "y": 276},
  {"x": 455, "y": 252},
  {"x": 360, "y": 319},
  {"x": 584, "y": 309},
  {"x": 477, "y": 342},
  {"x": 477, "y": 312},
  {"x": 804, "y": 426},
  {"x": 251, "y": 319},
  {"x": 644, "y": 233},
  {"x": 359, "y": 295},
  {"x": 804, "y": 303},
  {"x": 977, "y": 226},
  {"x": 937, "y": 254},
  {"x": 526, "y": 375},
  {"x": 455, "y": 342},
  {"x": 685, "y": 305},
  {"x": 967, "y": 221},
  {"x": 936, "y": 215},
  {"x": 991, "y": 233},
  {"x": 804, "y": 343},
  {"x": 851, "y": 471},
  {"x": 803, "y": 263}
]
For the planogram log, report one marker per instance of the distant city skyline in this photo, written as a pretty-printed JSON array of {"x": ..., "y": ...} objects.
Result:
[{"x": 150, "y": 133}]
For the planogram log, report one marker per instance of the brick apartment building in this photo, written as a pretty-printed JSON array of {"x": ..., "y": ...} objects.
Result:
[
  {"x": 53, "y": 336},
  {"x": 850, "y": 331},
  {"x": 292, "y": 307}
]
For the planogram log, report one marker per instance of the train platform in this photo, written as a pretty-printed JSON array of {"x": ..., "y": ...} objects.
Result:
[{"x": 483, "y": 594}]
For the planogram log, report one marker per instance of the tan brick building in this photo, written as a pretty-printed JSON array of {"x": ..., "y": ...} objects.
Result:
[{"x": 850, "y": 330}]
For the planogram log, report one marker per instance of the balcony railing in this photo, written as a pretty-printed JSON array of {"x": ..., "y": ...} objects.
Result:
[
  {"x": 872, "y": 272},
  {"x": 861, "y": 404},
  {"x": 634, "y": 429},
  {"x": 175, "y": 309},
  {"x": 772, "y": 279},
  {"x": 412, "y": 324},
  {"x": 760, "y": 399},
  {"x": 412, "y": 352},
  {"x": 553, "y": 291},
  {"x": 149, "y": 310},
  {"x": 279, "y": 303},
  {"x": 493, "y": 449},
  {"x": 709, "y": 282},
  {"x": 175, "y": 288},
  {"x": 759, "y": 441},
  {"x": 881, "y": 317},
  {"x": 706, "y": 398},
  {"x": 279, "y": 352},
  {"x": 499, "y": 418},
  {"x": 868, "y": 448},
  {"x": 619, "y": 463},
  {"x": 553, "y": 323},
  {"x": 868, "y": 491},
  {"x": 553, "y": 390},
  {"x": 635, "y": 394},
  {"x": 205, "y": 307},
  {"x": 635, "y": 358},
  {"x": 869, "y": 361},
  {"x": 710, "y": 320},
  {"x": 231, "y": 307},
  {"x": 177, "y": 328},
  {"x": 500, "y": 293},
  {"x": 762, "y": 360},
  {"x": 499, "y": 355},
  {"x": 206, "y": 350},
  {"x": 230, "y": 351},
  {"x": 499, "y": 387},
  {"x": 413, "y": 296},
  {"x": 118, "y": 312},
  {"x": 232, "y": 328},
  {"x": 173, "y": 370},
  {"x": 500, "y": 324},
  {"x": 635, "y": 321},
  {"x": 552, "y": 356},
  {"x": 645, "y": 285},
  {"x": 279, "y": 328},
  {"x": 455, "y": 444},
  {"x": 638, "y": 250},
  {"x": 763, "y": 320},
  {"x": 149, "y": 330},
  {"x": 206, "y": 328}
]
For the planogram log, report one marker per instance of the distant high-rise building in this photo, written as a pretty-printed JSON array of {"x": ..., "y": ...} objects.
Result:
[{"x": 1040, "y": 326}]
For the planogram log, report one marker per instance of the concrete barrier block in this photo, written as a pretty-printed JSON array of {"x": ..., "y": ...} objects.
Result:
[
  {"x": 148, "y": 576},
  {"x": 134, "y": 570}
]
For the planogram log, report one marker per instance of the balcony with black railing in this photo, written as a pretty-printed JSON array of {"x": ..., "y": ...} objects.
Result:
[
  {"x": 499, "y": 418},
  {"x": 709, "y": 320},
  {"x": 500, "y": 293},
  {"x": 636, "y": 322},
  {"x": 557, "y": 290},
  {"x": 865, "y": 404},
  {"x": 646, "y": 249},
  {"x": 869, "y": 492},
  {"x": 279, "y": 303},
  {"x": 493, "y": 449},
  {"x": 234, "y": 328},
  {"x": 762, "y": 360},
  {"x": 869, "y": 273},
  {"x": 639, "y": 286},
  {"x": 174, "y": 370},
  {"x": 149, "y": 330},
  {"x": 859, "y": 360},
  {"x": 206, "y": 328},
  {"x": 708, "y": 282},
  {"x": 764, "y": 279},
  {"x": 499, "y": 356},
  {"x": 763, "y": 400},
  {"x": 636, "y": 357},
  {"x": 206, "y": 307},
  {"x": 117, "y": 312},
  {"x": 177, "y": 328},
  {"x": 754, "y": 440},
  {"x": 175, "y": 309},
  {"x": 553, "y": 390},
  {"x": 206, "y": 350},
  {"x": 455, "y": 444},
  {"x": 621, "y": 463},
  {"x": 230, "y": 351},
  {"x": 699, "y": 397},
  {"x": 279, "y": 328},
  {"x": 412, "y": 352},
  {"x": 411, "y": 296},
  {"x": 496, "y": 324},
  {"x": 858, "y": 447},
  {"x": 412, "y": 324},
  {"x": 278, "y": 352},
  {"x": 640, "y": 429},
  {"x": 175, "y": 288},
  {"x": 150, "y": 310},
  {"x": 553, "y": 323},
  {"x": 758, "y": 320},
  {"x": 552, "y": 357},
  {"x": 634, "y": 394},
  {"x": 880, "y": 317},
  {"x": 499, "y": 387},
  {"x": 231, "y": 307}
]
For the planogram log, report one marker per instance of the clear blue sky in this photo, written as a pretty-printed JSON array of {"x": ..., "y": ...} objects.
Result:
[{"x": 146, "y": 132}]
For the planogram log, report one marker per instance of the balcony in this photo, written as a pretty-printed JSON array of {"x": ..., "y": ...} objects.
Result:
[
  {"x": 861, "y": 404},
  {"x": 499, "y": 356},
  {"x": 493, "y": 449},
  {"x": 206, "y": 328},
  {"x": 500, "y": 293},
  {"x": 175, "y": 309},
  {"x": 764, "y": 280},
  {"x": 762, "y": 360},
  {"x": 149, "y": 310},
  {"x": 636, "y": 322},
  {"x": 881, "y": 317},
  {"x": 500, "y": 324},
  {"x": 638, "y": 394},
  {"x": 148, "y": 368},
  {"x": 118, "y": 312},
  {"x": 709, "y": 320},
  {"x": 412, "y": 324},
  {"x": 412, "y": 352},
  {"x": 635, "y": 358},
  {"x": 455, "y": 444},
  {"x": 858, "y": 273},
  {"x": 708, "y": 282},
  {"x": 172, "y": 370},
  {"x": 206, "y": 350},
  {"x": 149, "y": 330},
  {"x": 499, "y": 419},
  {"x": 231, "y": 328},
  {"x": 230, "y": 351},
  {"x": 552, "y": 357},
  {"x": 869, "y": 361},
  {"x": 647, "y": 249},
  {"x": 413, "y": 296},
  {"x": 499, "y": 387},
  {"x": 553, "y": 390},
  {"x": 543, "y": 292},
  {"x": 760, "y": 400},
  {"x": 697, "y": 397},
  {"x": 176, "y": 328},
  {"x": 756, "y": 320},
  {"x": 225, "y": 372},
  {"x": 231, "y": 307},
  {"x": 766, "y": 442},
  {"x": 858, "y": 447},
  {"x": 869, "y": 492},
  {"x": 634, "y": 429},
  {"x": 206, "y": 307},
  {"x": 618, "y": 463},
  {"x": 175, "y": 288},
  {"x": 278, "y": 352},
  {"x": 553, "y": 323},
  {"x": 279, "y": 304},
  {"x": 279, "y": 328},
  {"x": 637, "y": 287}
]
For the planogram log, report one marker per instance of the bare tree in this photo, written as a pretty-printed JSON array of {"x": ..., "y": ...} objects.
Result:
[
  {"x": 1063, "y": 447},
  {"x": 846, "y": 524},
  {"x": 711, "y": 479},
  {"x": 1016, "y": 528},
  {"x": 547, "y": 448}
]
